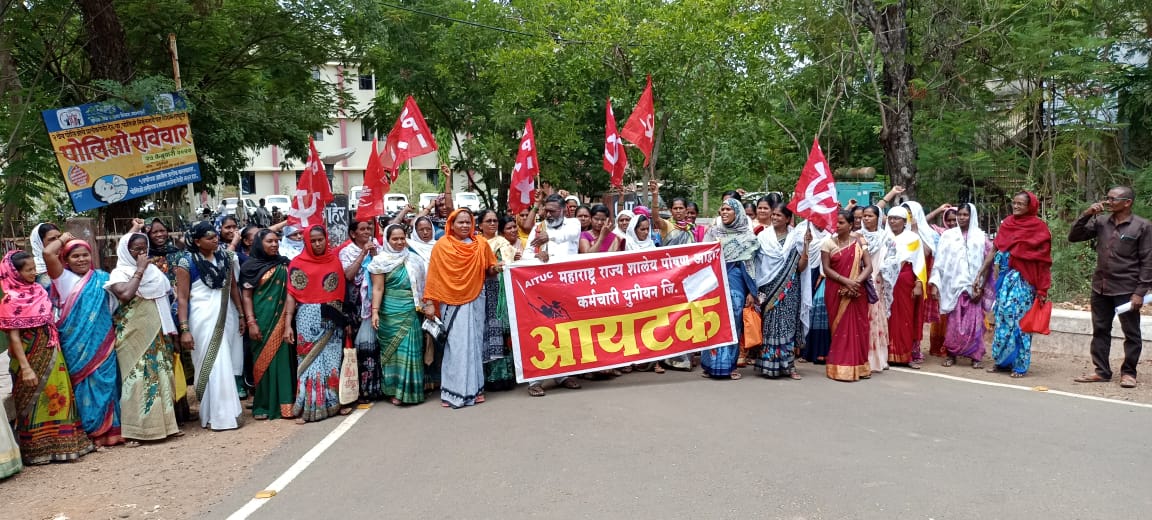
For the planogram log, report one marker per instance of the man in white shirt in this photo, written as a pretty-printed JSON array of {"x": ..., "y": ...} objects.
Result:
[{"x": 554, "y": 238}]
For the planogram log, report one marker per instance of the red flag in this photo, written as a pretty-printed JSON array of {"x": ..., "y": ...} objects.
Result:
[
  {"x": 815, "y": 195},
  {"x": 640, "y": 127},
  {"x": 522, "y": 192},
  {"x": 312, "y": 192},
  {"x": 410, "y": 137},
  {"x": 371, "y": 203},
  {"x": 615, "y": 160}
]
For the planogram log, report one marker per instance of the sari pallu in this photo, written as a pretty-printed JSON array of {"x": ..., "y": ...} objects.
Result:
[
  {"x": 401, "y": 340},
  {"x": 848, "y": 357},
  {"x": 272, "y": 372},
  {"x": 218, "y": 356},
  {"x": 87, "y": 340},
  {"x": 48, "y": 428},
  {"x": 144, "y": 356},
  {"x": 166, "y": 260}
]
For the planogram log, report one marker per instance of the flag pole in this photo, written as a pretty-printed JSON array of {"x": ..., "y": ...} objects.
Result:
[{"x": 410, "y": 177}]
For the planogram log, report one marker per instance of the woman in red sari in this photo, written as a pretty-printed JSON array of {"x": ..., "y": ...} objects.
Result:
[{"x": 846, "y": 269}]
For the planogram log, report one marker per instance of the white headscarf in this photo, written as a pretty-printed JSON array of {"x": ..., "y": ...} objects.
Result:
[
  {"x": 38, "y": 250},
  {"x": 959, "y": 256},
  {"x": 909, "y": 248},
  {"x": 291, "y": 248},
  {"x": 420, "y": 247},
  {"x": 388, "y": 259},
  {"x": 153, "y": 286},
  {"x": 616, "y": 223},
  {"x": 632, "y": 242},
  {"x": 928, "y": 235},
  {"x": 773, "y": 256}
]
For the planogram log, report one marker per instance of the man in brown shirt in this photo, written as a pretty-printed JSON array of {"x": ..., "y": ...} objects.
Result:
[{"x": 1123, "y": 274}]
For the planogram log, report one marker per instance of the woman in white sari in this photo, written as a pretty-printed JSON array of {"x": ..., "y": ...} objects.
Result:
[
  {"x": 959, "y": 256},
  {"x": 212, "y": 326},
  {"x": 422, "y": 238}
]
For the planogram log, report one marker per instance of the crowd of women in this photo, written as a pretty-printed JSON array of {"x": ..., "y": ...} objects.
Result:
[{"x": 306, "y": 326}]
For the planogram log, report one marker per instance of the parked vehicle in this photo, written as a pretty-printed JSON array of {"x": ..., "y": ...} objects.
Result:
[
  {"x": 354, "y": 197},
  {"x": 228, "y": 206},
  {"x": 394, "y": 202},
  {"x": 274, "y": 202},
  {"x": 426, "y": 199},
  {"x": 466, "y": 199}
]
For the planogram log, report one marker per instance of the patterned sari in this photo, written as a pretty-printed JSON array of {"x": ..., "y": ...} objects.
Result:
[
  {"x": 272, "y": 354},
  {"x": 87, "y": 340},
  {"x": 848, "y": 356},
  {"x": 144, "y": 355},
  {"x": 1011, "y": 347},
  {"x": 47, "y": 425},
  {"x": 401, "y": 340},
  {"x": 781, "y": 315}
]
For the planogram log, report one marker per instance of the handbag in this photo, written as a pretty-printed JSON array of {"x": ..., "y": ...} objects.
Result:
[
  {"x": 349, "y": 374},
  {"x": 870, "y": 290},
  {"x": 753, "y": 333},
  {"x": 1037, "y": 319}
]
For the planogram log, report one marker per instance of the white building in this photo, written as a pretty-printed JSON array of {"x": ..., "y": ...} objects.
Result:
[{"x": 269, "y": 171}]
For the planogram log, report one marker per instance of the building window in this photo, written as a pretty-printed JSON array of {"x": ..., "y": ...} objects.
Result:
[
  {"x": 367, "y": 132},
  {"x": 367, "y": 82},
  {"x": 318, "y": 136}
]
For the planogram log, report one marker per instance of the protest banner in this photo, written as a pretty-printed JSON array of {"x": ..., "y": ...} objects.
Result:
[
  {"x": 596, "y": 312},
  {"x": 108, "y": 154}
]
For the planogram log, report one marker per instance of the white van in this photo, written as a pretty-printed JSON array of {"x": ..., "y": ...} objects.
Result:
[
  {"x": 354, "y": 197},
  {"x": 394, "y": 202},
  {"x": 466, "y": 199}
]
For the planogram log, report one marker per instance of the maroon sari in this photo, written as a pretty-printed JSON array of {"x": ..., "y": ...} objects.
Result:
[{"x": 848, "y": 317}]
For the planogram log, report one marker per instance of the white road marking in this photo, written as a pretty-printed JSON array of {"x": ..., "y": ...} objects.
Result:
[
  {"x": 1020, "y": 387},
  {"x": 301, "y": 464}
]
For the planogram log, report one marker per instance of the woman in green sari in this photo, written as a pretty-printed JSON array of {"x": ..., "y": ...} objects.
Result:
[
  {"x": 264, "y": 282},
  {"x": 397, "y": 286}
]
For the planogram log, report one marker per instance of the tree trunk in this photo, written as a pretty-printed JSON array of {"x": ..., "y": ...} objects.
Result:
[
  {"x": 107, "y": 50},
  {"x": 889, "y": 26},
  {"x": 10, "y": 88}
]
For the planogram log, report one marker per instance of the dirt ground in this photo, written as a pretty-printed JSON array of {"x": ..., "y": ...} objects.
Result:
[
  {"x": 183, "y": 477},
  {"x": 177, "y": 478}
]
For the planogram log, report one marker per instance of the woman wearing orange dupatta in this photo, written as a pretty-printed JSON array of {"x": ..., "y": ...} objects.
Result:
[
  {"x": 454, "y": 290},
  {"x": 846, "y": 269}
]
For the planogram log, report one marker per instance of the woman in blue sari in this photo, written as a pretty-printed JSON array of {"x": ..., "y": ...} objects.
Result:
[
  {"x": 87, "y": 338},
  {"x": 739, "y": 247},
  {"x": 1023, "y": 258}
]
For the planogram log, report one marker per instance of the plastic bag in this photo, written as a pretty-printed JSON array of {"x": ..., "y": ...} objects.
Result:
[
  {"x": 1036, "y": 320},
  {"x": 753, "y": 333}
]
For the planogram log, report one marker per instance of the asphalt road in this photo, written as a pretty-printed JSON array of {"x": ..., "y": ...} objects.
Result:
[{"x": 679, "y": 446}]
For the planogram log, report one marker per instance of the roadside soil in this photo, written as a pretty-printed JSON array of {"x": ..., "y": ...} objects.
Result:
[{"x": 173, "y": 479}]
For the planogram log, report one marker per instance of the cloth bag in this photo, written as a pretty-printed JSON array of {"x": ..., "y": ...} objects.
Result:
[
  {"x": 349, "y": 374},
  {"x": 753, "y": 331},
  {"x": 1036, "y": 320}
]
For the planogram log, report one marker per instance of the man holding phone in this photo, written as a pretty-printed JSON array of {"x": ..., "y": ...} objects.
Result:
[{"x": 1123, "y": 275}]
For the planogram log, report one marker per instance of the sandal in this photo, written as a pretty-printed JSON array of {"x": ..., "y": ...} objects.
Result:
[
  {"x": 915, "y": 365},
  {"x": 658, "y": 369},
  {"x": 735, "y": 376},
  {"x": 479, "y": 399},
  {"x": 300, "y": 421},
  {"x": 1016, "y": 375},
  {"x": 626, "y": 370},
  {"x": 536, "y": 391},
  {"x": 571, "y": 384},
  {"x": 396, "y": 401},
  {"x": 1091, "y": 378},
  {"x": 977, "y": 364},
  {"x": 741, "y": 363},
  {"x": 346, "y": 411},
  {"x": 261, "y": 417},
  {"x": 794, "y": 376},
  {"x": 948, "y": 362},
  {"x": 131, "y": 444}
]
